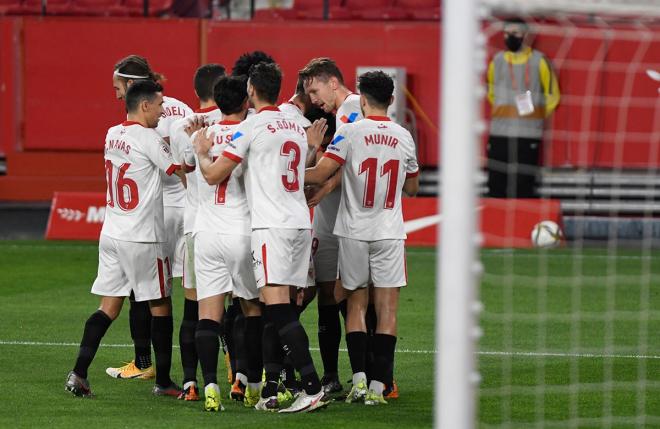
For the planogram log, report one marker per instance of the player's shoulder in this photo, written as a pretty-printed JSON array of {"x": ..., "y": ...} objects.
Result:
[
  {"x": 171, "y": 101},
  {"x": 114, "y": 130}
]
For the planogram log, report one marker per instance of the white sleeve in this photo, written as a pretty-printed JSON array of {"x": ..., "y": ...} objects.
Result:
[
  {"x": 160, "y": 154},
  {"x": 412, "y": 168},
  {"x": 239, "y": 145},
  {"x": 337, "y": 150}
]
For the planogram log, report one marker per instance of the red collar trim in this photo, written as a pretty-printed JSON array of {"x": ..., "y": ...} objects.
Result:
[
  {"x": 379, "y": 118},
  {"x": 227, "y": 122},
  {"x": 207, "y": 109},
  {"x": 270, "y": 108},
  {"x": 127, "y": 123}
]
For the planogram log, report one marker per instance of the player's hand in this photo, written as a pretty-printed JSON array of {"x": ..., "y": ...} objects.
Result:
[
  {"x": 203, "y": 142},
  {"x": 194, "y": 124},
  {"x": 315, "y": 194},
  {"x": 316, "y": 132}
]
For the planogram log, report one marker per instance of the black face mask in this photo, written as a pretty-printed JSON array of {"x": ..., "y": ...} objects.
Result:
[{"x": 513, "y": 43}]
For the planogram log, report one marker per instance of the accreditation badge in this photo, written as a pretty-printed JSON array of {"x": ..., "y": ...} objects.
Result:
[{"x": 524, "y": 103}]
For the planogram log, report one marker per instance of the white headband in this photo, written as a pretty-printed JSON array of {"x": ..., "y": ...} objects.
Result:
[{"x": 129, "y": 76}]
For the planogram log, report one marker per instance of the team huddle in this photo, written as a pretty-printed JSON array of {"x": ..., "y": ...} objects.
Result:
[{"x": 221, "y": 197}]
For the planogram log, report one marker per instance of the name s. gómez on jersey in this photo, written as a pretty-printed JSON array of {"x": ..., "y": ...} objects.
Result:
[
  {"x": 378, "y": 155},
  {"x": 134, "y": 157},
  {"x": 275, "y": 148},
  {"x": 325, "y": 214},
  {"x": 173, "y": 109},
  {"x": 222, "y": 208},
  {"x": 183, "y": 153}
]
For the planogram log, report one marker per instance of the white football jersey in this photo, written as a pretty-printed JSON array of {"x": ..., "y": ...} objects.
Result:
[
  {"x": 378, "y": 155},
  {"x": 173, "y": 190},
  {"x": 294, "y": 112},
  {"x": 134, "y": 157},
  {"x": 325, "y": 214},
  {"x": 183, "y": 153},
  {"x": 223, "y": 208},
  {"x": 275, "y": 148}
]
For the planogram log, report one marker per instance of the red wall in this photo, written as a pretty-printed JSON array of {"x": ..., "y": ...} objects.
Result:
[{"x": 57, "y": 101}]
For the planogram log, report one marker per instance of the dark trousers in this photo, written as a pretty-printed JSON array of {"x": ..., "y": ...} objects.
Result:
[{"x": 513, "y": 164}]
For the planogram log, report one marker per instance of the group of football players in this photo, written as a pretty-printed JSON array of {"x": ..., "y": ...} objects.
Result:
[{"x": 221, "y": 197}]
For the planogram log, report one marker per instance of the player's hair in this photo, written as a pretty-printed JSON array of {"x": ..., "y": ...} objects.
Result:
[
  {"x": 322, "y": 69},
  {"x": 135, "y": 67},
  {"x": 315, "y": 113},
  {"x": 245, "y": 62},
  {"x": 229, "y": 94},
  {"x": 266, "y": 79},
  {"x": 205, "y": 78},
  {"x": 377, "y": 86},
  {"x": 300, "y": 85},
  {"x": 140, "y": 91}
]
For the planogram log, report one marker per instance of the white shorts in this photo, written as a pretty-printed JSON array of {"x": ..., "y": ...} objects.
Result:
[
  {"x": 383, "y": 262},
  {"x": 223, "y": 264},
  {"x": 188, "y": 279},
  {"x": 325, "y": 251},
  {"x": 176, "y": 242},
  {"x": 126, "y": 266},
  {"x": 281, "y": 256}
]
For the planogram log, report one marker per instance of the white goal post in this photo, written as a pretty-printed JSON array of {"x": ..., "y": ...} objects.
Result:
[{"x": 463, "y": 64}]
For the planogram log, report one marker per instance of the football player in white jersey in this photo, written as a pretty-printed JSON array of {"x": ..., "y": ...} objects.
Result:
[
  {"x": 223, "y": 259},
  {"x": 324, "y": 83},
  {"x": 274, "y": 149},
  {"x": 127, "y": 71},
  {"x": 379, "y": 163},
  {"x": 131, "y": 258},
  {"x": 181, "y": 144}
]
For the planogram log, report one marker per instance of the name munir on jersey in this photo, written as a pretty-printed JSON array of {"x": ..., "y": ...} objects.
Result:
[{"x": 134, "y": 157}]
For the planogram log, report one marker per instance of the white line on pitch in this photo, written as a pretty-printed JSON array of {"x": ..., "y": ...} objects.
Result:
[{"x": 408, "y": 351}]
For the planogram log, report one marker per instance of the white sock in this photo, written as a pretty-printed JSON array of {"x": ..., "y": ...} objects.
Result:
[
  {"x": 359, "y": 376},
  {"x": 242, "y": 378},
  {"x": 188, "y": 384},
  {"x": 377, "y": 387}
]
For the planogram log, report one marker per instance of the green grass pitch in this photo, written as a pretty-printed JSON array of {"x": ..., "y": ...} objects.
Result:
[{"x": 570, "y": 340}]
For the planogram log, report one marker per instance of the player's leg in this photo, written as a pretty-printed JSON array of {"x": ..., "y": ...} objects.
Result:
[
  {"x": 188, "y": 326},
  {"x": 254, "y": 350},
  {"x": 231, "y": 314},
  {"x": 284, "y": 255},
  {"x": 354, "y": 271},
  {"x": 497, "y": 152},
  {"x": 388, "y": 268},
  {"x": 213, "y": 284},
  {"x": 111, "y": 285},
  {"x": 329, "y": 324}
]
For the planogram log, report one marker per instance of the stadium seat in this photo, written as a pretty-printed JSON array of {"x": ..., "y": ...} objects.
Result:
[
  {"x": 98, "y": 8},
  {"x": 156, "y": 7},
  {"x": 313, "y": 9},
  {"x": 274, "y": 14},
  {"x": 54, "y": 7},
  {"x": 423, "y": 10},
  {"x": 374, "y": 9},
  {"x": 9, "y": 7}
]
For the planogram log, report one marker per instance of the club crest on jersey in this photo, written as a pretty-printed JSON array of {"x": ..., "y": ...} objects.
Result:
[{"x": 350, "y": 118}]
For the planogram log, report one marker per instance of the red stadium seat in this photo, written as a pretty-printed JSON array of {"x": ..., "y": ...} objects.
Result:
[
  {"x": 54, "y": 7},
  {"x": 420, "y": 9},
  {"x": 156, "y": 7},
  {"x": 374, "y": 9},
  {"x": 313, "y": 9},
  {"x": 8, "y": 7},
  {"x": 99, "y": 8},
  {"x": 274, "y": 14}
]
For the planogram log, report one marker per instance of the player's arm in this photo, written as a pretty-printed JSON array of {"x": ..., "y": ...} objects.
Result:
[
  {"x": 217, "y": 171},
  {"x": 315, "y": 134},
  {"x": 326, "y": 167},
  {"x": 411, "y": 185},
  {"x": 327, "y": 187},
  {"x": 160, "y": 154}
]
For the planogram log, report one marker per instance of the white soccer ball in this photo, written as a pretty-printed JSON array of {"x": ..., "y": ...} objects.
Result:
[{"x": 546, "y": 234}]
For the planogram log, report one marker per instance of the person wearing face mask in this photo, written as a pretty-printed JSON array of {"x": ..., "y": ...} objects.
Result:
[{"x": 523, "y": 92}]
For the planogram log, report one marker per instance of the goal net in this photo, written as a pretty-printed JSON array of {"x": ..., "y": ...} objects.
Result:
[{"x": 549, "y": 304}]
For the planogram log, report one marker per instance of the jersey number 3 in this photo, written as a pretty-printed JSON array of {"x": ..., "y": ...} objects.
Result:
[
  {"x": 290, "y": 178},
  {"x": 121, "y": 189},
  {"x": 389, "y": 168}
]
